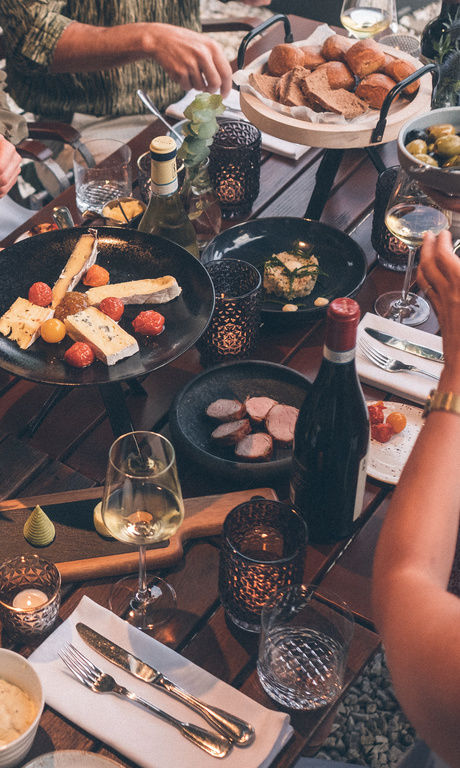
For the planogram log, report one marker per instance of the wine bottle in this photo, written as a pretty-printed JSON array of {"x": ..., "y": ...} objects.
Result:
[
  {"x": 440, "y": 43},
  {"x": 165, "y": 214},
  {"x": 331, "y": 439}
]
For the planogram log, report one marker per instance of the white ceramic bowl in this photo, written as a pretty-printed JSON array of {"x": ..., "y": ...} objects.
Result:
[{"x": 17, "y": 671}]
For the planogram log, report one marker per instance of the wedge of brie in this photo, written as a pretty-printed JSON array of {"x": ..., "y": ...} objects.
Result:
[
  {"x": 152, "y": 291},
  {"x": 109, "y": 342},
  {"x": 81, "y": 259},
  {"x": 22, "y": 321}
]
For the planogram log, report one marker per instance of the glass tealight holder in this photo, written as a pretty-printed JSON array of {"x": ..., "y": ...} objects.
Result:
[
  {"x": 30, "y": 596},
  {"x": 234, "y": 166},
  {"x": 391, "y": 251},
  {"x": 234, "y": 326}
]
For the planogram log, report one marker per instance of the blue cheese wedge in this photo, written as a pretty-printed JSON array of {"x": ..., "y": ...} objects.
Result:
[
  {"x": 81, "y": 259},
  {"x": 154, "y": 291},
  {"x": 22, "y": 321},
  {"x": 289, "y": 275},
  {"x": 109, "y": 342}
]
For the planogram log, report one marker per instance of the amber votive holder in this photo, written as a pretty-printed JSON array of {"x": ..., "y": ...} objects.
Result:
[
  {"x": 234, "y": 166},
  {"x": 234, "y": 326},
  {"x": 30, "y": 596},
  {"x": 263, "y": 550}
]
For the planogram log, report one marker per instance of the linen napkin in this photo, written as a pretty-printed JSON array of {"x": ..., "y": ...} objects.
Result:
[
  {"x": 413, "y": 386},
  {"x": 132, "y": 730},
  {"x": 233, "y": 111}
]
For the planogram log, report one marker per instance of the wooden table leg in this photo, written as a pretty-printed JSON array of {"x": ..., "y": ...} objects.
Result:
[
  {"x": 117, "y": 410},
  {"x": 325, "y": 176}
]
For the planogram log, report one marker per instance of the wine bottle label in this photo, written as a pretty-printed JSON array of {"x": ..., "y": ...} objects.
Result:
[
  {"x": 339, "y": 357},
  {"x": 164, "y": 176},
  {"x": 360, "y": 487}
]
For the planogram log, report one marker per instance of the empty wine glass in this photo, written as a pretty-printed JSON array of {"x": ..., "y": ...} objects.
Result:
[
  {"x": 366, "y": 18},
  {"x": 142, "y": 505},
  {"x": 410, "y": 213}
]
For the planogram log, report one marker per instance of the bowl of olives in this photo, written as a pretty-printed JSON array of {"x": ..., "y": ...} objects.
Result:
[{"x": 429, "y": 150}]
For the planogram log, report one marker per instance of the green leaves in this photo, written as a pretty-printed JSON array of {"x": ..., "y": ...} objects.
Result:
[{"x": 201, "y": 128}]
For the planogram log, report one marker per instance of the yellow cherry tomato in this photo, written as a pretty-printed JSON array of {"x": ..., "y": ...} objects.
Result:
[
  {"x": 397, "y": 421},
  {"x": 52, "y": 330}
]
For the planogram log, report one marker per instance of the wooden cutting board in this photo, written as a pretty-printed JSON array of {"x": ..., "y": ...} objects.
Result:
[{"x": 81, "y": 553}]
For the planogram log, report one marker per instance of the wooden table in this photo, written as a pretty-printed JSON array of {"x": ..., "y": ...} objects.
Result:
[{"x": 69, "y": 451}]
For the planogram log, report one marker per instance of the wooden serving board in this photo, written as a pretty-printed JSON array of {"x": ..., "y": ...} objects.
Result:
[{"x": 81, "y": 553}]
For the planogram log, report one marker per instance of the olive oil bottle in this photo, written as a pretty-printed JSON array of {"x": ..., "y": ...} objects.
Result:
[{"x": 165, "y": 214}]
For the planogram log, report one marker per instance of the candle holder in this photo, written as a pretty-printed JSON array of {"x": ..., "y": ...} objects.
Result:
[
  {"x": 234, "y": 326},
  {"x": 234, "y": 166},
  {"x": 263, "y": 550},
  {"x": 30, "y": 595},
  {"x": 391, "y": 251}
]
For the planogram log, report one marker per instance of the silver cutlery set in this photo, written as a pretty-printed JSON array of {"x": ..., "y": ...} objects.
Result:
[
  {"x": 232, "y": 730},
  {"x": 388, "y": 363}
]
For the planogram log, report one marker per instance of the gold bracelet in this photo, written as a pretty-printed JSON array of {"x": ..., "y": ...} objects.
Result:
[{"x": 442, "y": 401}]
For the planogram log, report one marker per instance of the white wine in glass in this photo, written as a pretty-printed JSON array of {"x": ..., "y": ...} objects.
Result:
[
  {"x": 366, "y": 18},
  {"x": 142, "y": 505},
  {"x": 410, "y": 213}
]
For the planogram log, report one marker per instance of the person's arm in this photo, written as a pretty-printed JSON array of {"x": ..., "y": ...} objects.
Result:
[{"x": 418, "y": 619}]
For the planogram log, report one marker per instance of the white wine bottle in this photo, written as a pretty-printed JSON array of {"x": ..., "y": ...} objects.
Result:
[{"x": 165, "y": 214}]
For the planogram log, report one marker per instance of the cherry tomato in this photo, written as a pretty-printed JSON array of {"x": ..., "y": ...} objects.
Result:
[
  {"x": 381, "y": 432},
  {"x": 52, "y": 330},
  {"x": 150, "y": 323},
  {"x": 96, "y": 276},
  {"x": 112, "y": 307},
  {"x": 40, "y": 294},
  {"x": 376, "y": 412},
  {"x": 79, "y": 355},
  {"x": 397, "y": 421}
]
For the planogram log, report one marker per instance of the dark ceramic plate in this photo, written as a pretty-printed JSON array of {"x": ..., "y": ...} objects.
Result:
[
  {"x": 128, "y": 255},
  {"x": 191, "y": 428},
  {"x": 340, "y": 258}
]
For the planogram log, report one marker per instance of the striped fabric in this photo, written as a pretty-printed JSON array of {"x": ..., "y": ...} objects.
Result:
[{"x": 32, "y": 29}]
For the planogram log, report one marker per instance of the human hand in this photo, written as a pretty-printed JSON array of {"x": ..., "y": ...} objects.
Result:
[
  {"x": 10, "y": 163},
  {"x": 191, "y": 58},
  {"x": 439, "y": 277},
  {"x": 256, "y": 2}
]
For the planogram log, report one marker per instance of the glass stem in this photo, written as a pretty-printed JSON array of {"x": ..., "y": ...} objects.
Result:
[
  {"x": 408, "y": 274},
  {"x": 142, "y": 586}
]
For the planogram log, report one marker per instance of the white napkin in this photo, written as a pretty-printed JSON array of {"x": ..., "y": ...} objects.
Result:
[
  {"x": 232, "y": 101},
  {"x": 413, "y": 386},
  {"x": 133, "y": 731}
]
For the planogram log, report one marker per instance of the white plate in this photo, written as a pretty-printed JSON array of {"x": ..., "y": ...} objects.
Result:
[
  {"x": 386, "y": 460},
  {"x": 72, "y": 758}
]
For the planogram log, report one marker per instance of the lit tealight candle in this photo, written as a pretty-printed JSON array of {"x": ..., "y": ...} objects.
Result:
[{"x": 29, "y": 598}]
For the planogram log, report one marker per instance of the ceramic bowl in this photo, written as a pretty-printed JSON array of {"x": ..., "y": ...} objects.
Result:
[{"x": 17, "y": 671}]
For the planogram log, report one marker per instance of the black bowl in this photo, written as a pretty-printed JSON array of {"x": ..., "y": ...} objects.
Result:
[
  {"x": 340, "y": 258},
  {"x": 191, "y": 428}
]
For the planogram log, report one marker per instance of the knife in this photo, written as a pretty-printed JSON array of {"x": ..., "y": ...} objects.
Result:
[
  {"x": 406, "y": 346},
  {"x": 240, "y": 732}
]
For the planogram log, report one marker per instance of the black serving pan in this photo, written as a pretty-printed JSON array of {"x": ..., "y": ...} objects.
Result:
[{"x": 128, "y": 255}]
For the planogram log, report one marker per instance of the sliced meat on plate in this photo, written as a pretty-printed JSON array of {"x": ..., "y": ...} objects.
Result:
[
  {"x": 281, "y": 421},
  {"x": 231, "y": 432},
  {"x": 256, "y": 447},
  {"x": 226, "y": 410},
  {"x": 257, "y": 408}
]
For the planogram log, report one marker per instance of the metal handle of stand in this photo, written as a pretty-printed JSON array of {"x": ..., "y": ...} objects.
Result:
[
  {"x": 377, "y": 133},
  {"x": 288, "y": 36}
]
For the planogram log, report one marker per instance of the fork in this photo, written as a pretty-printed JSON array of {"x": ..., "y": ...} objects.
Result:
[
  {"x": 390, "y": 363},
  {"x": 100, "y": 682}
]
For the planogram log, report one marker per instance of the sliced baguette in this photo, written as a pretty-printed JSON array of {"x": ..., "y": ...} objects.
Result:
[
  {"x": 80, "y": 260},
  {"x": 151, "y": 291},
  {"x": 22, "y": 322},
  {"x": 109, "y": 342}
]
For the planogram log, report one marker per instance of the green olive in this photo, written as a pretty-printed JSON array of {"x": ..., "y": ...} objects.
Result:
[
  {"x": 443, "y": 129},
  {"x": 452, "y": 162},
  {"x": 447, "y": 146},
  {"x": 417, "y": 147},
  {"x": 427, "y": 159}
]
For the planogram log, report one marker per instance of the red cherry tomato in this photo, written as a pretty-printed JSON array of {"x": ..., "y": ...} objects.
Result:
[
  {"x": 376, "y": 412},
  {"x": 40, "y": 294},
  {"x": 112, "y": 307},
  {"x": 96, "y": 276},
  {"x": 79, "y": 355},
  {"x": 382, "y": 432},
  {"x": 397, "y": 421},
  {"x": 149, "y": 323}
]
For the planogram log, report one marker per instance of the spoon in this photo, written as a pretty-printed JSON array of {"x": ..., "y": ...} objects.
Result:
[{"x": 147, "y": 101}]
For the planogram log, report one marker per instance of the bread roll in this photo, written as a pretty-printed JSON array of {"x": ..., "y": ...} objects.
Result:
[
  {"x": 374, "y": 88},
  {"x": 335, "y": 47},
  {"x": 312, "y": 56},
  {"x": 339, "y": 75},
  {"x": 365, "y": 57},
  {"x": 284, "y": 57},
  {"x": 398, "y": 70}
]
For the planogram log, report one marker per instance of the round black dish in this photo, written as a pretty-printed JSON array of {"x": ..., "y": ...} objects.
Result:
[{"x": 191, "y": 428}]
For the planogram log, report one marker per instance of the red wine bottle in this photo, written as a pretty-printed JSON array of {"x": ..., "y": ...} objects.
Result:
[
  {"x": 331, "y": 441},
  {"x": 440, "y": 43}
]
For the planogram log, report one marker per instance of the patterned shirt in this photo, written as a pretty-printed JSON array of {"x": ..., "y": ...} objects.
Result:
[{"x": 32, "y": 29}]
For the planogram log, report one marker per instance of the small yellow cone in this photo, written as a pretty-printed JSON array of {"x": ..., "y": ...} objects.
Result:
[
  {"x": 99, "y": 523},
  {"x": 38, "y": 528}
]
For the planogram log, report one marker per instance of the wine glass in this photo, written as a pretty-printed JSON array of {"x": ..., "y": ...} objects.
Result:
[
  {"x": 410, "y": 213},
  {"x": 142, "y": 504},
  {"x": 366, "y": 18}
]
